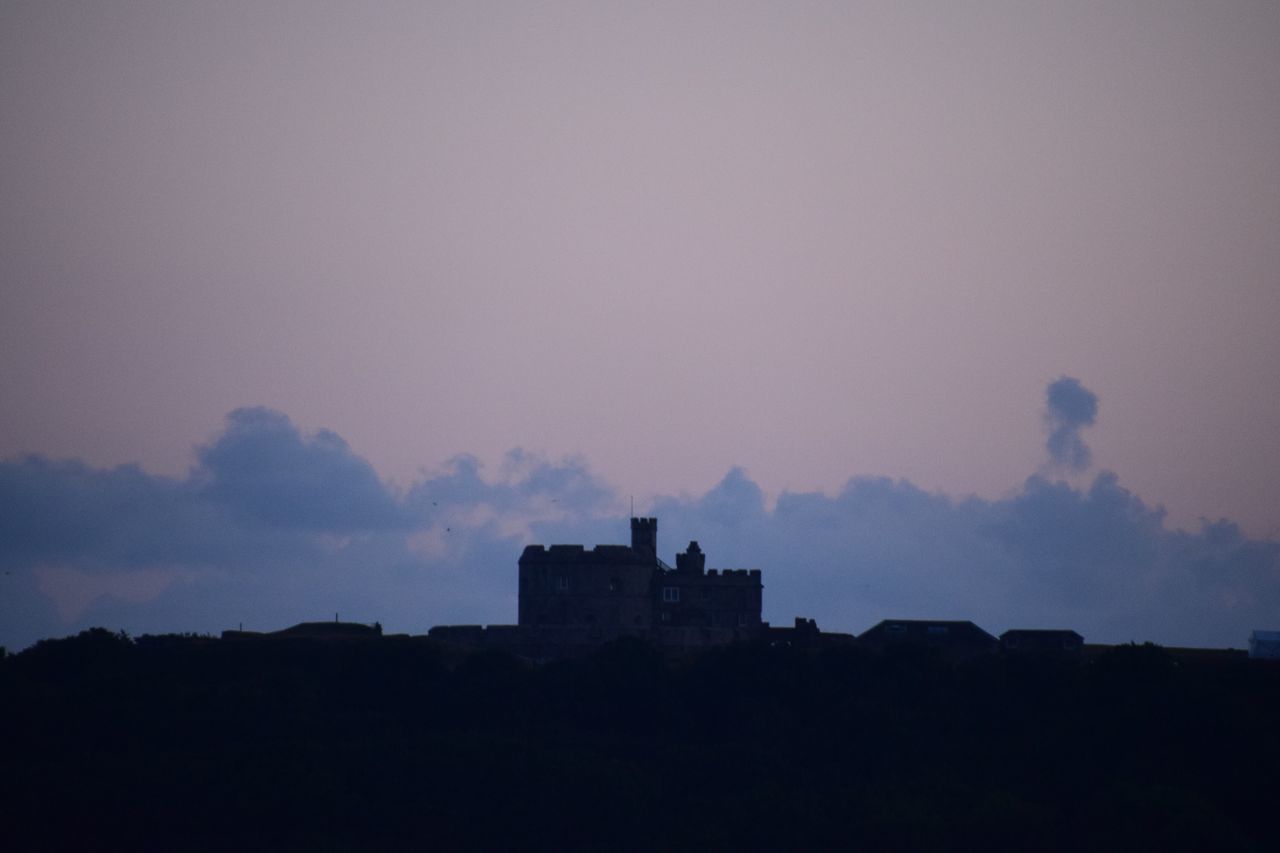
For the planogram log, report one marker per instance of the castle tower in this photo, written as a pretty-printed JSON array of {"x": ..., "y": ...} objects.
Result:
[
  {"x": 644, "y": 537},
  {"x": 692, "y": 561}
]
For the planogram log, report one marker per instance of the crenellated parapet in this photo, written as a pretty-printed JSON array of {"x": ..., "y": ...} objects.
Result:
[{"x": 750, "y": 575}]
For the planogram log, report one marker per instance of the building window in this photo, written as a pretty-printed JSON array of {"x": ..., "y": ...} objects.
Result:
[
  {"x": 937, "y": 630},
  {"x": 562, "y": 583},
  {"x": 671, "y": 593},
  {"x": 666, "y": 617}
]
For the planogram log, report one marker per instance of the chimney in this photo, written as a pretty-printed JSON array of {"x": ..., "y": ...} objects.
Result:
[{"x": 644, "y": 537}]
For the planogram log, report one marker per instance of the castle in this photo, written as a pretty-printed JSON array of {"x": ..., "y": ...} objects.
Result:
[
  {"x": 572, "y": 599},
  {"x": 614, "y": 590}
]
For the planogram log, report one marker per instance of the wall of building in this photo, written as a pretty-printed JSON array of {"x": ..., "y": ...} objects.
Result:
[
  {"x": 608, "y": 588},
  {"x": 730, "y": 599}
]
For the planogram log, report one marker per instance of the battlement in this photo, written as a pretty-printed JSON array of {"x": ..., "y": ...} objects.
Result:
[
  {"x": 737, "y": 574},
  {"x": 600, "y": 555}
]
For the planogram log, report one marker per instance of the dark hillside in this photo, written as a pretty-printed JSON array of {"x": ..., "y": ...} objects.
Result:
[{"x": 198, "y": 744}]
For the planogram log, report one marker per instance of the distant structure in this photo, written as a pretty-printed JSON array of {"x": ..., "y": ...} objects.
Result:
[
  {"x": 951, "y": 639},
  {"x": 312, "y": 631},
  {"x": 1041, "y": 642},
  {"x": 1264, "y": 645},
  {"x": 572, "y": 596},
  {"x": 805, "y": 634}
]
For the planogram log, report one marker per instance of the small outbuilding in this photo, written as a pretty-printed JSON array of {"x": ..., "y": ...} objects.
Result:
[{"x": 1041, "y": 642}]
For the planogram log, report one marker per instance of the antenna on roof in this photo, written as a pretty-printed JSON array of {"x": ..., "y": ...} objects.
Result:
[{"x": 633, "y": 506}]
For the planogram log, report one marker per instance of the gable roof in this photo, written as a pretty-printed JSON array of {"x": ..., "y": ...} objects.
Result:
[{"x": 938, "y": 631}]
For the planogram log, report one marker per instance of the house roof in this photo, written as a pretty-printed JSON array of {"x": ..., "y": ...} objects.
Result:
[{"x": 932, "y": 629}]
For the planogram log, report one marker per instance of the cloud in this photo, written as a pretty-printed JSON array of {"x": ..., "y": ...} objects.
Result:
[
  {"x": 266, "y": 471},
  {"x": 1070, "y": 408},
  {"x": 736, "y": 502},
  {"x": 273, "y": 526},
  {"x": 528, "y": 488},
  {"x": 65, "y": 512},
  {"x": 72, "y": 591}
]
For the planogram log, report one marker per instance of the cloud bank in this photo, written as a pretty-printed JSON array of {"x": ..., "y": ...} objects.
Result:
[{"x": 273, "y": 526}]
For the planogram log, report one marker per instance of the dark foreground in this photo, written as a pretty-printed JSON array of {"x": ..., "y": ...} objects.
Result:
[{"x": 208, "y": 745}]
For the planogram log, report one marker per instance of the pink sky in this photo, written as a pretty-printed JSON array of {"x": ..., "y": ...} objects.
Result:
[{"x": 815, "y": 240}]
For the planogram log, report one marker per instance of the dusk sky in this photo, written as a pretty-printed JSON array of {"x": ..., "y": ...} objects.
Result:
[{"x": 919, "y": 307}]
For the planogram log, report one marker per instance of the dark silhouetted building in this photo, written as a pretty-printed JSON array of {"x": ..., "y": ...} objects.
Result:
[
  {"x": 1044, "y": 642},
  {"x": 954, "y": 639},
  {"x": 571, "y": 596},
  {"x": 805, "y": 634}
]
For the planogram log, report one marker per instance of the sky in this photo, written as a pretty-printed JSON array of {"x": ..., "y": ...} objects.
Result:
[{"x": 959, "y": 306}]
